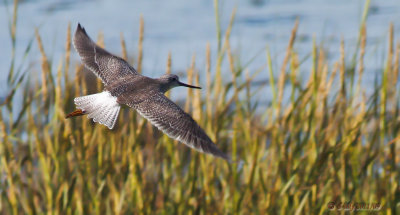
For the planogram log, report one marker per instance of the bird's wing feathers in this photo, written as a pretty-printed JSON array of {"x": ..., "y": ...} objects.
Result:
[
  {"x": 106, "y": 66},
  {"x": 173, "y": 121}
]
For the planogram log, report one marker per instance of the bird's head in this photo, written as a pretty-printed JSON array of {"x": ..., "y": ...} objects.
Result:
[{"x": 169, "y": 81}]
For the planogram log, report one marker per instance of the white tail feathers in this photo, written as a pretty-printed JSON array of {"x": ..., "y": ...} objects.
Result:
[{"x": 101, "y": 107}]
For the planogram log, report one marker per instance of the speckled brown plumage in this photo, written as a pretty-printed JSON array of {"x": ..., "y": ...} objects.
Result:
[{"x": 124, "y": 86}]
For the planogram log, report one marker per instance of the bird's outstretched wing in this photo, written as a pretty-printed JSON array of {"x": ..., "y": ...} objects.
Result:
[
  {"x": 107, "y": 67},
  {"x": 173, "y": 121}
]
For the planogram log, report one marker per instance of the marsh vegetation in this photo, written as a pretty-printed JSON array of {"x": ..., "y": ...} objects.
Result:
[{"x": 332, "y": 139}]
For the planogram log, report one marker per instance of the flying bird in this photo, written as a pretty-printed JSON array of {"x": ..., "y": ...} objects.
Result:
[{"x": 123, "y": 85}]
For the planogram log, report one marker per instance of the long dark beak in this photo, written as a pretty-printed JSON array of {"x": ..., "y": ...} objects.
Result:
[{"x": 187, "y": 85}]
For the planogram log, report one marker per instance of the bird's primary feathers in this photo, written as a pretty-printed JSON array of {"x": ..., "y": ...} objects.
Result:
[{"x": 125, "y": 86}]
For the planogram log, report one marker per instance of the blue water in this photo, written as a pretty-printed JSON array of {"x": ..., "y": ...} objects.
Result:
[{"x": 185, "y": 27}]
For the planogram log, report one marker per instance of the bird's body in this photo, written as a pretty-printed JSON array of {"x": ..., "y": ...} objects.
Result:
[
  {"x": 125, "y": 86},
  {"x": 134, "y": 89}
]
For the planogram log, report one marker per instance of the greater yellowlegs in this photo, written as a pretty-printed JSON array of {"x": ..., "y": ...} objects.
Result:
[{"x": 125, "y": 86}]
